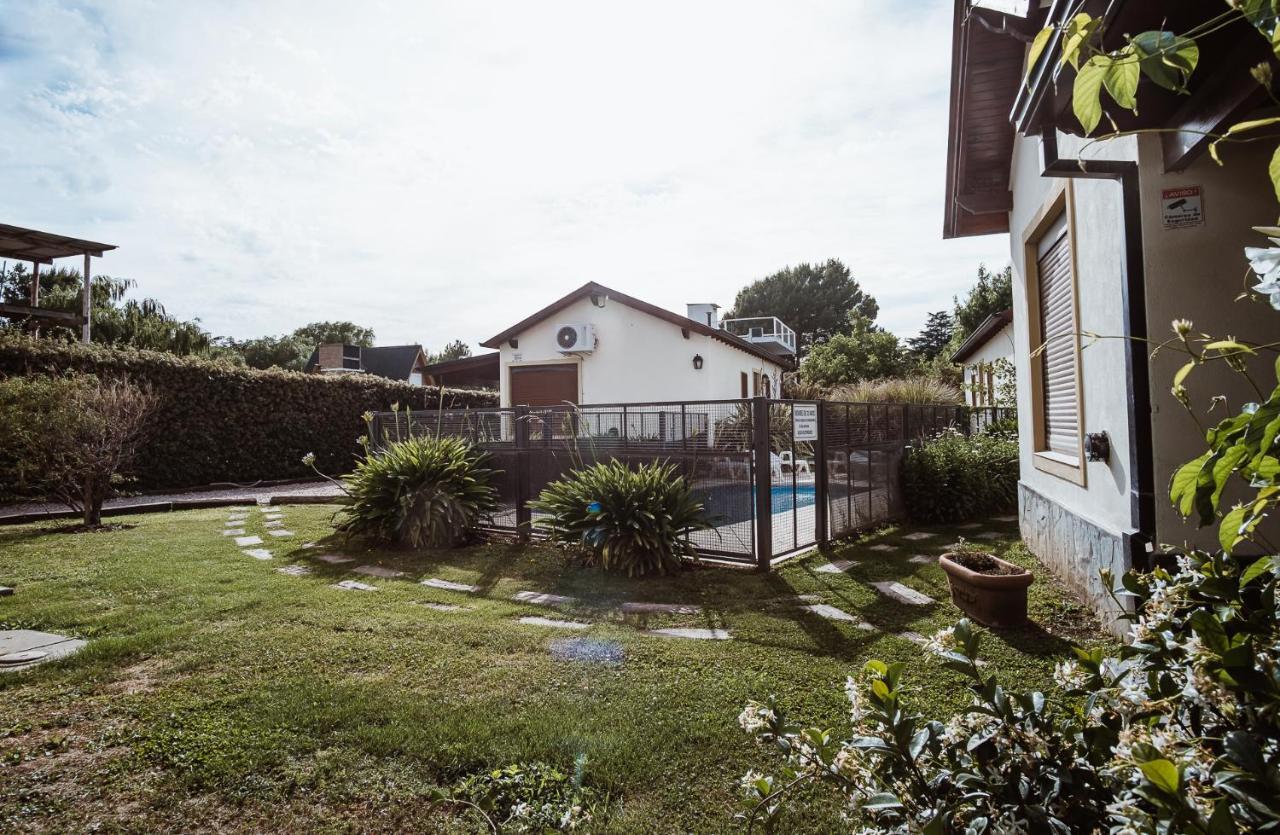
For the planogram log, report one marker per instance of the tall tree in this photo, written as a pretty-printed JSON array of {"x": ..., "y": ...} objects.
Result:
[
  {"x": 455, "y": 350},
  {"x": 934, "y": 338},
  {"x": 286, "y": 352},
  {"x": 815, "y": 300},
  {"x": 322, "y": 333},
  {"x": 992, "y": 293},
  {"x": 866, "y": 352}
]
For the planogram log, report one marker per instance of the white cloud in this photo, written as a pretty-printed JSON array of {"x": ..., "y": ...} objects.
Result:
[{"x": 439, "y": 170}]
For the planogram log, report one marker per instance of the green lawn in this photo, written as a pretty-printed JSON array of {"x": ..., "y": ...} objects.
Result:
[{"x": 217, "y": 693}]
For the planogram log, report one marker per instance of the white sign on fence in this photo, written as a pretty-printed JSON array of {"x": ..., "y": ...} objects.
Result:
[{"x": 804, "y": 421}]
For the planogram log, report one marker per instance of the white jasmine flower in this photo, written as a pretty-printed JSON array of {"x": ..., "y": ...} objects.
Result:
[
  {"x": 942, "y": 641},
  {"x": 755, "y": 717},
  {"x": 1069, "y": 675}
]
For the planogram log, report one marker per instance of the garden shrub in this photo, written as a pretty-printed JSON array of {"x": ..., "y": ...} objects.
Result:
[
  {"x": 422, "y": 492},
  {"x": 634, "y": 521},
  {"x": 532, "y": 797},
  {"x": 73, "y": 439},
  {"x": 216, "y": 422},
  {"x": 952, "y": 477}
]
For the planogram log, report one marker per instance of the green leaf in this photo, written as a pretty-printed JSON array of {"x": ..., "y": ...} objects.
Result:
[
  {"x": 1162, "y": 774},
  {"x": 1182, "y": 489},
  {"x": 1210, "y": 630},
  {"x": 1259, "y": 567},
  {"x": 1121, "y": 80},
  {"x": 1182, "y": 373},
  {"x": 1077, "y": 34},
  {"x": 1229, "y": 530},
  {"x": 1274, "y": 170},
  {"x": 1038, "y": 44},
  {"x": 1086, "y": 94}
]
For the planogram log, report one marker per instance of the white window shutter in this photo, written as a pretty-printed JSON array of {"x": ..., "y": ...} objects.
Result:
[{"x": 1058, "y": 362}]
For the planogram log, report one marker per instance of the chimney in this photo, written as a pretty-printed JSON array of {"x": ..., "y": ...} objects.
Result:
[
  {"x": 706, "y": 314},
  {"x": 329, "y": 356}
]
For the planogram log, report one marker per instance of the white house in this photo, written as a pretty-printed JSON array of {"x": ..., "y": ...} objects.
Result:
[
  {"x": 986, "y": 361},
  {"x": 1110, "y": 241},
  {"x": 597, "y": 346}
]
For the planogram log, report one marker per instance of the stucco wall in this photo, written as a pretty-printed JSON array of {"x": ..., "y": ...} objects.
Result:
[
  {"x": 1196, "y": 273},
  {"x": 638, "y": 358},
  {"x": 1099, "y": 247}
]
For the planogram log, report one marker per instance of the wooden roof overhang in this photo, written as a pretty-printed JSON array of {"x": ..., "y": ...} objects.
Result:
[{"x": 39, "y": 248}]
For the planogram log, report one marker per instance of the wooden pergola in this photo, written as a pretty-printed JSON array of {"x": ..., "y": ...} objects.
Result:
[{"x": 43, "y": 248}]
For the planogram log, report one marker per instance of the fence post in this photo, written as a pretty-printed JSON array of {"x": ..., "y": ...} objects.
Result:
[
  {"x": 524, "y": 519},
  {"x": 820, "y": 504},
  {"x": 764, "y": 482}
]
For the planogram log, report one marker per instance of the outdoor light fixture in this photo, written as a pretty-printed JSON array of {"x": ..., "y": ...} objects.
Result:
[
  {"x": 598, "y": 299},
  {"x": 697, "y": 362}
]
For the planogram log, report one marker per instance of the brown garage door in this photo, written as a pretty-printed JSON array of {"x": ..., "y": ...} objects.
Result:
[{"x": 544, "y": 385}]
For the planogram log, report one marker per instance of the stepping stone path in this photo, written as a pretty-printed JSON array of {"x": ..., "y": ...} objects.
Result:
[
  {"x": 538, "y": 598},
  {"x": 919, "y": 535},
  {"x": 233, "y": 532},
  {"x": 280, "y": 532},
  {"x": 354, "y": 585},
  {"x": 903, "y": 594},
  {"x": 258, "y": 553},
  {"x": 883, "y": 546},
  {"x": 823, "y": 610},
  {"x": 693, "y": 634},
  {"x": 557, "y": 624},
  {"x": 274, "y": 524},
  {"x": 914, "y": 637},
  {"x": 378, "y": 571},
  {"x": 450, "y": 586},
  {"x": 660, "y": 608},
  {"x": 590, "y": 650},
  {"x": 246, "y": 541},
  {"x": 23, "y": 648},
  {"x": 837, "y": 567},
  {"x": 295, "y": 570},
  {"x": 443, "y": 607},
  {"x": 335, "y": 559},
  {"x": 923, "y": 559}
]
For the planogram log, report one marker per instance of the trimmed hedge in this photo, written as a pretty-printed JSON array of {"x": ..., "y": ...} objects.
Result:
[{"x": 221, "y": 423}]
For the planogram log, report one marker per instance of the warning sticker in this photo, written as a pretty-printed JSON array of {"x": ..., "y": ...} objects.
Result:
[{"x": 1181, "y": 207}]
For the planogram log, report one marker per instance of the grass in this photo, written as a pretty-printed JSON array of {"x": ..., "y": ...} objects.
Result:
[{"x": 218, "y": 694}]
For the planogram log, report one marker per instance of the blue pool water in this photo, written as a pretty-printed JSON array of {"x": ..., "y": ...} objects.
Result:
[
  {"x": 782, "y": 496},
  {"x": 736, "y": 502}
]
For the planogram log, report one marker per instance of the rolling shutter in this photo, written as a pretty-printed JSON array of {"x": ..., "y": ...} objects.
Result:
[{"x": 1058, "y": 362}]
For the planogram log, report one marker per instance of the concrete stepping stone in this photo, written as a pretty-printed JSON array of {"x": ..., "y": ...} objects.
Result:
[
  {"x": 335, "y": 559},
  {"x": 552, "y": 622},
  {"x": 903, "y": 594},
  {"x": 280, "y": 532},
  {"x": 378, "y": 571},
  {"x": 837, "y": 567},
  {"x": 919, "y": 535},
  {"x": 969, "y": 526},
  {"x": 443, "y": 607},
  {"x": 914, "y": 637},
  {"x": 989, "y": 535},
  {"x": 538, "y": 598},
  {"x": 1006, "y": 518},
  {"x": 660, "y": 608},
  {"x": 246, "y": 541},
  {"x": 233, "y": 532},
  {"x": 274, "y": 524},
  {"x": 21, "y": 649},
  {"x": 447, "y": 585},
  {"x": 354, "y": 585},
  {"x": 883, "y": 546},
  {"x": 295, "y": 570},
  {"x": 258, "y": 553},
  {"x": 691, "y": 634},
  {"x": 923, "y": 559},
  {"x": 588, "y": 650},
  {"x": 829, "y": 612},
  {"x": 237, "y": 520}
]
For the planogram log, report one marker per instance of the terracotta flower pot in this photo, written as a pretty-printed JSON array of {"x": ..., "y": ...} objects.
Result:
[{"x": 990, "y": 599}]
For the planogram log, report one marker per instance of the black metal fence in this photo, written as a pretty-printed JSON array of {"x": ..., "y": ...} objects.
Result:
[{"x": 775, "y": 476}]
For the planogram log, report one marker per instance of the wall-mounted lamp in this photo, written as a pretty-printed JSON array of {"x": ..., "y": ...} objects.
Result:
[
  {"x": 513, "y": 342},
  {"x": 697, "y": 362},
  {"x": 598, "y": 299},
  {"x": 1097, "y": 446}
]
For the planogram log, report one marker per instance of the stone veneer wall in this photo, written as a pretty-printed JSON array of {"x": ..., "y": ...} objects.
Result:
[{"x": 1075, "y": 549}]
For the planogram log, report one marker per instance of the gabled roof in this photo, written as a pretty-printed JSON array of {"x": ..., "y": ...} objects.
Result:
[
  {"x": 479, "y": 363},
  {"x": 982, "y": 334},
  {"x": 395, "y": 362},
  {"x": 592, "y": 288}
]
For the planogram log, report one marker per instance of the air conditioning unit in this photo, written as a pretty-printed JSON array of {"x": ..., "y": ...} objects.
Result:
[{"x": 576, "y": 339}]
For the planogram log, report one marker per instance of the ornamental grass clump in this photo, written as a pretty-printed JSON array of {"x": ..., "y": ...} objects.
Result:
[
  {"x": 635, "y": 521},
  {"x": 421, "y": 492}
]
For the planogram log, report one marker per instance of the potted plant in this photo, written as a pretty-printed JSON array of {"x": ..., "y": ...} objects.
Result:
[{"x": 988, "y": 589}]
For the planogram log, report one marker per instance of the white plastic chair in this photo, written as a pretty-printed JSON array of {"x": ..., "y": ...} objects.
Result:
[{"x": 787, "y": 460}]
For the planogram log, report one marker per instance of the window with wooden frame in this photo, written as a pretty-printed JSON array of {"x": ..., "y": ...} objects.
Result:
[
  {"x": 745, "y": 392},
  {"x": 1056, "y": 387}
]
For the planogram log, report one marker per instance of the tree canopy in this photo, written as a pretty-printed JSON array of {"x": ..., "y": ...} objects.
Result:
[
  {"x": 815, "y": 300},
  {"x": 455, "y": 350},
  {"x": 324, "y": 333},
  {"x": 934, "y": 338},
  {"x": 992, "y": 293},
  {"x": 865, "y": 352}
]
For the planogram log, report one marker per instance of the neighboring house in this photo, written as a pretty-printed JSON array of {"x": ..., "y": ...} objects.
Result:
[
  {"x": 395, "y": 362},
  {"x": 468, "y": 372},
  {"x": 985, "y": 358},
  {"x": 597, "y": 346},
  {"x": 1147, "y": 229}
]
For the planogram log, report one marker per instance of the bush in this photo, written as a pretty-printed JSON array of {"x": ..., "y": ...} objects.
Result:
[
  {"x": 951, "y": 477},
  {"x": 422, "y": 492},
  {"x": 531, "y": 797},
  {"x": 921, "y": 390},
  {"x": 215, "y": 422},
  {"x": 72, "y": 439},
  {"x": 633, "y": 521}
]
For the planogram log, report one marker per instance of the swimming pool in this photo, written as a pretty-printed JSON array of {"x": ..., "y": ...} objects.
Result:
[{"x": 726, "y": 503}]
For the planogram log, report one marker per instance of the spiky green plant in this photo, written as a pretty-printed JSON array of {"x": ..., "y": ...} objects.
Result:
[
  {"x": 923, "y": 390},
  {"x": 422, "y": 492},
  {"x": 634, "y": 521}
]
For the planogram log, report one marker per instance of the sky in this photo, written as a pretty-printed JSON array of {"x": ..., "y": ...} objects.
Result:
[{"x": 440, "y": 170}]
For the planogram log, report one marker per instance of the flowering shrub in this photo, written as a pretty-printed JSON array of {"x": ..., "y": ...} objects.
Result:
[
  {"x": 632, "y": 520},
  {"x": 531, "y": 797},
  {"x": 951, "y": 477}
]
